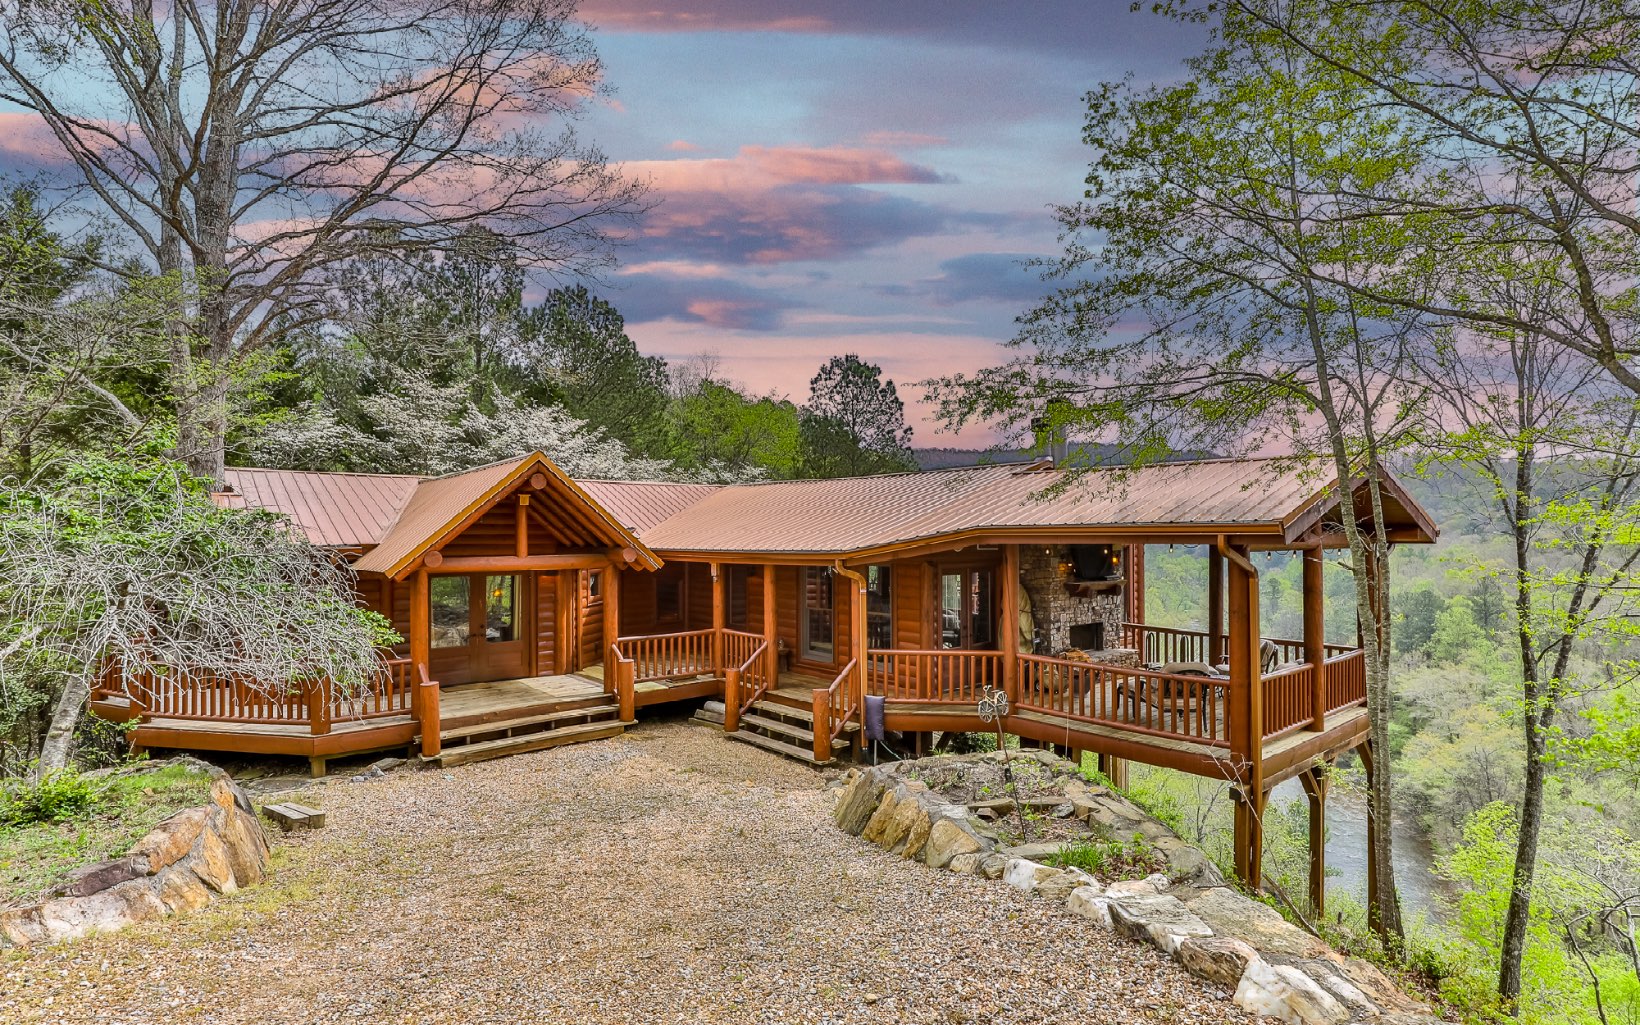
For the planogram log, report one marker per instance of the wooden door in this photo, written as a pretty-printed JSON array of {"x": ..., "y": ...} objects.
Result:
[{"x": 482, "y": 627}]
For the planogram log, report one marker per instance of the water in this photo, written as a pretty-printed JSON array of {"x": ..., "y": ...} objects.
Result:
[{"x": 1347, "y": 854}]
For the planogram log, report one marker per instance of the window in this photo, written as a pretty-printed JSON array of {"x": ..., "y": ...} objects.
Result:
[
  {"x": 879, "y": 609},
  {"x": 595, "y": 585},
  {"x": 968, "y": 608},
  {"x": 816, "y": 623},
  {"x": 500, "y": 609},
  {"x": 452, "y": 618}
]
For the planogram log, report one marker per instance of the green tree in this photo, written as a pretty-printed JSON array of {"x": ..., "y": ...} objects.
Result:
[
  {"x": 1419, "y": 609},
  {"x": 854, "y": 422},
  {"x": 1456, "y": 637},
  {"x": 718, "y": 426}
]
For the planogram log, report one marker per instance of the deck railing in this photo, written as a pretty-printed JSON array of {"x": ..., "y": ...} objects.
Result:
[
  {"x": 833, "y": 707},
  {"x": 318, "y": 704},
  {"x": 1166, "y": 644},
  {"x": 935, "y": 677},
  {"x": 1288, "y": 700},
  {"x": 670, "y": 656},
  {"x": 745, "y": 683},
  {"x": 1346, "y": 680},
  {"x": 1191, "y": 708}
]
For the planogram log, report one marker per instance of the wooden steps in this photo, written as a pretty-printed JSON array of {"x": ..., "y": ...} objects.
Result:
[
  {"x": 531, "y": 729},
  {"x": 486, "y": 749},
  {"x": 774, "y": 726}
]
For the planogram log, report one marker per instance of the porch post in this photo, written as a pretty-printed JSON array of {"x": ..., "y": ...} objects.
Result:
[
  {"x": 522, "y": 542},
  {"x": 1315, "y": 783},
  {"x": 1315, "y": 651},
  {"x": 612, "y": 617},
  {"x": 421, "y": 610},
  {"x": 718, "y": 617},
  {"x": 1215, "y": 606},
  {"x": 771, "y": 626},
  {"x": 1246, "y": 714},
  {"x": 1010, "y": 623}
]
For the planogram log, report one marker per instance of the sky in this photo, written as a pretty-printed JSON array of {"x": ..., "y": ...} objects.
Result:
[{"x": 853, "y": 176}]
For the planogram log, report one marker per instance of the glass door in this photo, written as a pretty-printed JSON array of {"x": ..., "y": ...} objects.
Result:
[
  {"x": 968, "y": 608},
  {"x": 478, "y": 628}
]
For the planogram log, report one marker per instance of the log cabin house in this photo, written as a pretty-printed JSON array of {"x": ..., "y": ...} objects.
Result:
[{"x": 539, "y": 610}]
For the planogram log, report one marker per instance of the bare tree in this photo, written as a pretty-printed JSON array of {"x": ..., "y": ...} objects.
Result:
[
  {"x": 244, "y": 146},
  {"x": 134, "y": 571}
]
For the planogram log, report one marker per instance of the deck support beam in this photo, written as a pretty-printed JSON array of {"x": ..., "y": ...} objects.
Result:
[
  {"x": 1249, "y": 836},
  {"x": 1315, "y": 651},
  {"x": 1315, "y": 780},
  {"x": 1114, "y": 769},
  {"x": 1246, "y": 714}
]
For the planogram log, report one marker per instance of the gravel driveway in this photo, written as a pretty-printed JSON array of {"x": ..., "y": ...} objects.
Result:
[{"x": 669, "y": 875}]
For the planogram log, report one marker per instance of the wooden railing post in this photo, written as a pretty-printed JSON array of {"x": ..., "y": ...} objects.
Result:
[
  {"x": 626, "y": 689},
  {"x": 719, "y": 616},
  {"x": 731, "y": 700},
  {"x": 431, "y": 741},
  {"x": 319, "y": 707},
  {"x": 821, "y": 702}
]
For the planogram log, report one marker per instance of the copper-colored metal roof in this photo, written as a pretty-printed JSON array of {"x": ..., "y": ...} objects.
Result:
[
  {"x": 865, "y": 513},
  {"x": 642, "y": 505},
  {"x": 398, "y": 516},
  {"x": 333, "y": 509}
]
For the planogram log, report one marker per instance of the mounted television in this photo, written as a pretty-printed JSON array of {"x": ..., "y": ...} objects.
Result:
[{"x": 1096, "y": 562}]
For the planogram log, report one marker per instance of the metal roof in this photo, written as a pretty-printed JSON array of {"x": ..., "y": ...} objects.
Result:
[
  {"x": 398, "y": 516},
  {"x": 641, "y": 505},
  {"x": 333, "y": 509},
  {"x": 864, "y": 513}
]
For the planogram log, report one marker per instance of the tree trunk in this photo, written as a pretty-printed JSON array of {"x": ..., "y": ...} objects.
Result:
[
  {"x": 1518, "y": 916},
  {"x": 65, "y": 717},
  {"x": 1372, "y": 570}
]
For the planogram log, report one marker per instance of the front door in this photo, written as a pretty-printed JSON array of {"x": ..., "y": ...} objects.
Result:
[
  {"x": 967, "y": 608},
  {"x": 480, "y": 627}
]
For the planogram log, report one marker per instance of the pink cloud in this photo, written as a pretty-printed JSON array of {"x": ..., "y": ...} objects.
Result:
[
  {"x": 682, "y": 146},
  {"x": 768, "y": 166},
  {"x": 904, "y": 139},
  {"x": 709, "y": 16}
]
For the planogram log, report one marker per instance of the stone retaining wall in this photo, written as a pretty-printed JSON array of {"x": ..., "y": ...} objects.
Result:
[
  {"x": 1215, "y": 932},
  {"x": 182, "y": 864}
]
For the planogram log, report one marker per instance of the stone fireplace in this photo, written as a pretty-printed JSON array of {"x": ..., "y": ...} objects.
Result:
[{"x": 1070, "y": 613}]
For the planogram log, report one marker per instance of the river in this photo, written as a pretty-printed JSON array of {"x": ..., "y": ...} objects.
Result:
[{"x": 1347, "y": 854}]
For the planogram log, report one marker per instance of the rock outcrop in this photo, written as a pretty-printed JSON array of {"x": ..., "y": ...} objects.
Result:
[
  {"x": 180, "y": 865},
  {"x": 1273, "y": 967}
]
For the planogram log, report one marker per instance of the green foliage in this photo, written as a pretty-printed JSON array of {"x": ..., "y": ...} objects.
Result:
[
  {"x": 1111, "y": 860},
  {"x": 54, "y": 797},
  {"x": 717, "y": 425},
  {"x": 102, "y": 816},
  {"x": 854, "y": 422}
]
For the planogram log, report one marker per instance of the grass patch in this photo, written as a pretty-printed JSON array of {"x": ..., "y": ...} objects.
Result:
[
  {"x": 71, "y": 820},
  {"x": 1111, "y": 860}
]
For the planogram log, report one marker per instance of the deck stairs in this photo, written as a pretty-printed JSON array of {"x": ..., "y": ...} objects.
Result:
[
  {"x": 780, "y": 725},
  {"x": 476, "y": 738}
]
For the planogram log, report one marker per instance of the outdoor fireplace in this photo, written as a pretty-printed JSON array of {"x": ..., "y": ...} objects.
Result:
[{"x": 1088, "y": 636}]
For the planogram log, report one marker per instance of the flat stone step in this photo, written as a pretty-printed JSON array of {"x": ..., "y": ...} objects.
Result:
[
  {"x": 528, "y": 721},
  {"x": 780, "y": 747},
  {"x": 488, "y": 749}
]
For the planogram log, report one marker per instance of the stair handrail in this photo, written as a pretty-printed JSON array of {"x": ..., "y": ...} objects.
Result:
[
  {"x": 753, "y": 675},
  {"x": 833, "y": 707}
]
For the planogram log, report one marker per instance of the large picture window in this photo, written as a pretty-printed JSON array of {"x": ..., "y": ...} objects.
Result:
[{"x": 817, "y": 622}]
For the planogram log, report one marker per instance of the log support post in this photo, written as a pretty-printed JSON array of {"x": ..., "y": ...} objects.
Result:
[
  {"x": 1114, "y": 769},
  {"x": 1246, "y": 714},
  {"x": 771, "y": 627},
  {"x": 431, "y": 742},
  {"x": 719, "y": 616},
  {"x": 1315, "y": 651},
  {"x": 731, "y": 701},
  {"x": 1249, "y": 836},
  {"x": 1315, "y": 780},
  {"x": 1215, "y": 606},
  {"x": 612, "y": 619},
  {"x": 626, "y": 689},
  {"x": 1010, "y": 623},
  {"x": 521, "y": 544}
]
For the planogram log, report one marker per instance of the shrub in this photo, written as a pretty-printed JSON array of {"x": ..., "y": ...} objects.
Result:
[{"x": 55, "y": 797}]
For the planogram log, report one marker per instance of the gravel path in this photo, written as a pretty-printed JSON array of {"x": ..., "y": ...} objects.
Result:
[{"x": 669, "y": 875}]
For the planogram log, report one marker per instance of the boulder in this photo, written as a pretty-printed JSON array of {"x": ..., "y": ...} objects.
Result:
[
  {"x": 1185, "y": 864},
  {"x": 212, "y": 863},
  {"x": 899, "y": 825},
  {"x": 967, "y": 864},
  {"x": 1219, "y": 959},
  {"x": 1132, "y": 888},
  {"x": 179, "y": 889},
  {"x": 857, "y": 801},
  {"x": 993, "y": 866},
  {"x": 171, "y": 840},
  {"x": 1261, "y": 926},
  {"x": 1024, "y": 874},
  {"x": 1091, "y": 903},
  {"x": 948, "y": 838},
  {"x": 91, "y": 879},
  {"x": 1036, "y": 851},
  {"x": 1159, "y": 919},
  {"x": 1284, "y": 992}
]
